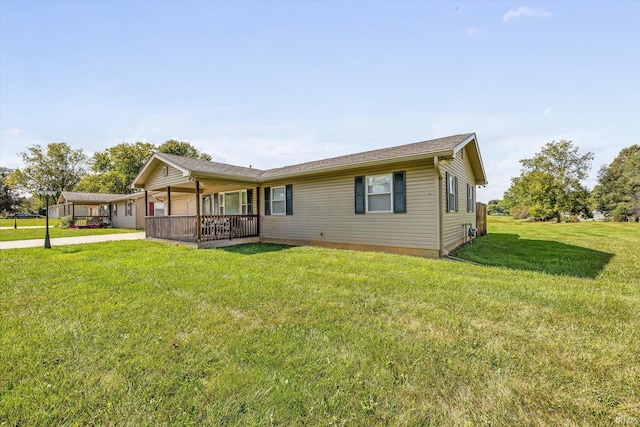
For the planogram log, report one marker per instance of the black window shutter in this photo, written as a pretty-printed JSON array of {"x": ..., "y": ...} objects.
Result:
[
  {"x": 359, "y": 194},
  {"x": 267, "y": 200},
  {"x": 216, "y": 206},
  {"x": 289, "y": 199},
  {"x": 399, "y": 192},
  {"x": 473, "y": 198},
  {"x": 249, "y": 201},
  {"x": 455, "y": 187},
  {"x": 446, "y": 185}
]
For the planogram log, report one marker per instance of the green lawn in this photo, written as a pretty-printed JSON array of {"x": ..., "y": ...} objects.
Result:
[
  {"x": 25, "y": 222},
  {"x": 38, "y": 233},
  {"x": 142, "y": 333}
]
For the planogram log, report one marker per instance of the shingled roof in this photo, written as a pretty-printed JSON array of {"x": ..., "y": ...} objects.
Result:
[
  {"x": 429, "y": 148},
  {"x": 206, "y": 167},
  {"x": 97, "y": 198},
  {"x": 442, "y": 147}
]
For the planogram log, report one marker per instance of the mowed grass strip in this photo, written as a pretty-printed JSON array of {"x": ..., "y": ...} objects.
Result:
[
  {"x": 143, "y": 333},
  {"x": 39, "y": 233}
]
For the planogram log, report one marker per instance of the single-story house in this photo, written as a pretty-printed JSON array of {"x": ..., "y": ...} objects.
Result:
[
  {"x": 416, "y": 199},
  {"x": 121, "y": 210}
]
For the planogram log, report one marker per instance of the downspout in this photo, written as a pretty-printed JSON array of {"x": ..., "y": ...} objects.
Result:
[{"x": 440, "y": 223}]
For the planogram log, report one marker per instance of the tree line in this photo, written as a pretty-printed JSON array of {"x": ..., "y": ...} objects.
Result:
[
  {"x": 62, "y": 168},
  {"x": 550, "y": 187}
]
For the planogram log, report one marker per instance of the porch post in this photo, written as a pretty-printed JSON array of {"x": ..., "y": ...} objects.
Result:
[
  {"x": 109, "y": 212},
  {"x": 198, "y": 220},
  {"x": 146, "y": 203},
  {"x": 73, "y": 214},
  {"x": 168, "y": 200},
  {"x": 258, "y": 209}
]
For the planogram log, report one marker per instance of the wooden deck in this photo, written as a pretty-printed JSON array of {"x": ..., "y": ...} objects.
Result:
[{"x": 183, "y": 228}]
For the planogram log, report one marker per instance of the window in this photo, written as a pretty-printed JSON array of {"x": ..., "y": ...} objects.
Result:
[
  {"x": 115, "y": 209},
  {"x": 165, "y": 171},
  {"x": 452, "y": 193},
  {"x": 470, "y": 198},
  {"x": 233, "y": 203},
  {"x": 278, "y": 200},
  {"x": 381, "y": 193},
  {"x": 206, "y": 205},
  {"x": 158, "y": 209},
  {"x": 128, "y": 211}
]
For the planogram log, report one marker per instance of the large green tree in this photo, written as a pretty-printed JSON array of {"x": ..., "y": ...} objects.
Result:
[
  {"x": 182, "y": 148},
  {"x": 549, "y": 184},
  {"x": 7, "y": 194},
  {"x": 57, "y": 166},
  {"x": 114, "y": 168},
  {"x": 618, "y": 191}
]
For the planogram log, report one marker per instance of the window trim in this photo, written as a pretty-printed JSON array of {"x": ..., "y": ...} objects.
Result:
[
  {"x": 206, "y": 202},
  {"x": 284, "y": 201},
  {"x": 367, "y": 194},
  {"x": 451, "y": 193},
  {"x": 220, "y": 206}
]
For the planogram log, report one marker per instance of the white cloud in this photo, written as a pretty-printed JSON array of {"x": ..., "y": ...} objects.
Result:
[
  {"x": 526, "y": 12},
  {"x": 14, "y": 132},
  {"x": 477, "y": 32}
]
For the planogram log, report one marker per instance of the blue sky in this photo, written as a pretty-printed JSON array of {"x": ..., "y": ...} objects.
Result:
[{"x": 270, "y": 84}]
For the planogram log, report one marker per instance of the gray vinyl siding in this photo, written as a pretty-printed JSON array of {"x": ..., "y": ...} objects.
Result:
[
  {"x": 120, "y": 220},
  {"x": 453, "y": 230},
  {"x": 135, "y": 221},
  {"x": 323, "y": 211},
  {"x": 158, "y": 181}
]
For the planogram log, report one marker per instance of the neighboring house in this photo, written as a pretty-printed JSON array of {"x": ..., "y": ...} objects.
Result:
[
  {"x": 121, "y": 210},
  {"x": 416, "y": 199}
]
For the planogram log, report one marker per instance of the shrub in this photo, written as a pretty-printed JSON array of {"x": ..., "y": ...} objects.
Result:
[
  {"x": 620, "y": 213},
  {"x": 65, "y": 222}
]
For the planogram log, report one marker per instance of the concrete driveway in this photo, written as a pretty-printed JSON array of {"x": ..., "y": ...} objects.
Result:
[{"x": 16, "y": 244}]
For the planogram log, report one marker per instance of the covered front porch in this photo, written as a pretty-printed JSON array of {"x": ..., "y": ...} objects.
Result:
[
  {"x": 200, "y": 209},
  {"x": 85, "y": 209},
  {"x": 204, "y": 231}
]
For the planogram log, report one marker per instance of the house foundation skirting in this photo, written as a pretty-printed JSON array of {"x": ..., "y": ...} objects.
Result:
[
  {"x": 419, "y": 252},
  {"x": 211, "y": 244}
]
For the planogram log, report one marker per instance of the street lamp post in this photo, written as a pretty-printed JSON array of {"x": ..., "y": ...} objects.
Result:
[
  {"x": 47, "y": 192},
  {"x": 15, "y": 209}
]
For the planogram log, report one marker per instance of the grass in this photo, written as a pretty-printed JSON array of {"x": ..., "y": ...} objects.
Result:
[
  {"x": 142, "y": 333},
  {"x": 38, "y": 233},
  {"x": 26, "y": 222}
]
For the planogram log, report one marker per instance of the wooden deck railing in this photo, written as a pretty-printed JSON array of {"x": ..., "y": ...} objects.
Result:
[
  {"x": 213, "y": 227},
  {"x": 88, "y": 221}
]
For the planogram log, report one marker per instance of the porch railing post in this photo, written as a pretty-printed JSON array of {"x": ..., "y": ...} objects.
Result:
[
  {"x": 198, "y": 219},
  {"x": 168, "y": 200},
  {"x": 258, "y": 211}
]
